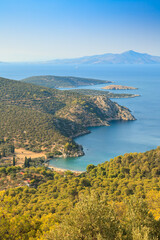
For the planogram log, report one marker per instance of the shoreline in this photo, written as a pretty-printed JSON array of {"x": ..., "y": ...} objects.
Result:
[
  {"x": 132, "y": 96},
  {"x": 118, "y": 87}
]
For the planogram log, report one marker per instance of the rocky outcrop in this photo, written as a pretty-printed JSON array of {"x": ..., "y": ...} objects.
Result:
[
  {"x": 112, "y": 110},
  {"x": 118, "y": 87},
  {"x": 72, "y": 153},
  {"x": 96, "y": 112}
]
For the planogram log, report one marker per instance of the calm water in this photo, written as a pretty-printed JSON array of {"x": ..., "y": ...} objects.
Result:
[{"x": 105, "y": 143}]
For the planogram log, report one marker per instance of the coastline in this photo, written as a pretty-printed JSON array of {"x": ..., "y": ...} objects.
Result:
[
  {"x": 21, "y": 153},
  {"x": 132, "y": 96},
  {"x": 62, "y": 170}
]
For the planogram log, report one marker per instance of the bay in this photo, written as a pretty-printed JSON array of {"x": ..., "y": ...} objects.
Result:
[{"x": 104, "y": 143}]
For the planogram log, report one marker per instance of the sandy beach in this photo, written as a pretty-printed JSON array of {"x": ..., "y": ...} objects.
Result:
[
  {"x": 56, "y": 169},
  {"x": 21, "y": 153}
]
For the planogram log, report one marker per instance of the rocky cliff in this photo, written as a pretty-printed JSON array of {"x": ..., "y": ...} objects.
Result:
[
  {"x": 98, "y": 111},
  {"x": 118, "y": 87}
]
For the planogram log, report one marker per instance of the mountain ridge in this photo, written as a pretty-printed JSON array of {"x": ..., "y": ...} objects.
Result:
[{"x": 128, "y": 57}]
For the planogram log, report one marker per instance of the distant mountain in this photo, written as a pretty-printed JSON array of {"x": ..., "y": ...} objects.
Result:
[
  {"x": 129, "y": 57},
  {"x": 63, "y": 81}
]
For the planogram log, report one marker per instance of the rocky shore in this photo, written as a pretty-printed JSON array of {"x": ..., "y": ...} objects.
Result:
[
  {"x": 103, "y": 111},
  {"x": 118, "y": 87}
]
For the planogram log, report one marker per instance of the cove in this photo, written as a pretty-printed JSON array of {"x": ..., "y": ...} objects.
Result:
[{"x": 104, "y": 143}]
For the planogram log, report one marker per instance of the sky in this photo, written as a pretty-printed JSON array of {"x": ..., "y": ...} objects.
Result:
[{"x": 36, "y": 30}]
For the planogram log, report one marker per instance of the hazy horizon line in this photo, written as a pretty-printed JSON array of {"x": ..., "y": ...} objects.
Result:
[{"x": 78, "y": 57}]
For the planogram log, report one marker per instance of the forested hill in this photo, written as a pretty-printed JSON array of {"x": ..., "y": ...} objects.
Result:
[
  {"x": 63, "y": 81},
  {"x": 43, "y": 119},
  {"x": 107, "y": 202}
]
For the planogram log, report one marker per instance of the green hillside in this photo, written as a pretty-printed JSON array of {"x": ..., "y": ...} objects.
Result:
[
  {"x": 63, "y": 81},
  {"x": 39, "y": 118},
  {"x": 119, "y": 200}
]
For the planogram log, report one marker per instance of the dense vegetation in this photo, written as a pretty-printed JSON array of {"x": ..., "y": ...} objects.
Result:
[
  {"x": 119, "y": 199},
  {"x": 44, "y": 119},
  {"x": 115, "y": 200},
  {"x": 62, "y": 82},
  {"x": 6, "y": 147}
]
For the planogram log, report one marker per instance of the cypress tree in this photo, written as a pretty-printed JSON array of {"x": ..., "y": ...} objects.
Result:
[
  {"x": 14, "y": 161},
  {"x": 3, "y": 153},
  {"x": 28, "y": 162},
  {"x": 12, "y": 148},
  {"x": 25, "y": 162}
]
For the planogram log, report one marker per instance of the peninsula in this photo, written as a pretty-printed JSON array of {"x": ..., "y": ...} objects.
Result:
[
  {"x": 108, "y": 94},
  {"x": 63, "y": 81},
  {"x": 46, "y": 120}
]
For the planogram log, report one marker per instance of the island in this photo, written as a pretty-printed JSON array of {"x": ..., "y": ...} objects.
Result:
[{"x": 118, "y": 87}]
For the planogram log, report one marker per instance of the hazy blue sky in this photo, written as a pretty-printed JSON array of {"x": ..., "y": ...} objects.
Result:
[{"x": 48, "y": 29}]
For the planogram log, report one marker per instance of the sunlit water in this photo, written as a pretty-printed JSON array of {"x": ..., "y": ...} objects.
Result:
[{"x": 103, "y": 143}]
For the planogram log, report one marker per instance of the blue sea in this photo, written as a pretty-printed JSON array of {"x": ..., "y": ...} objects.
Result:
[{"x": 104, "y": 143}]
